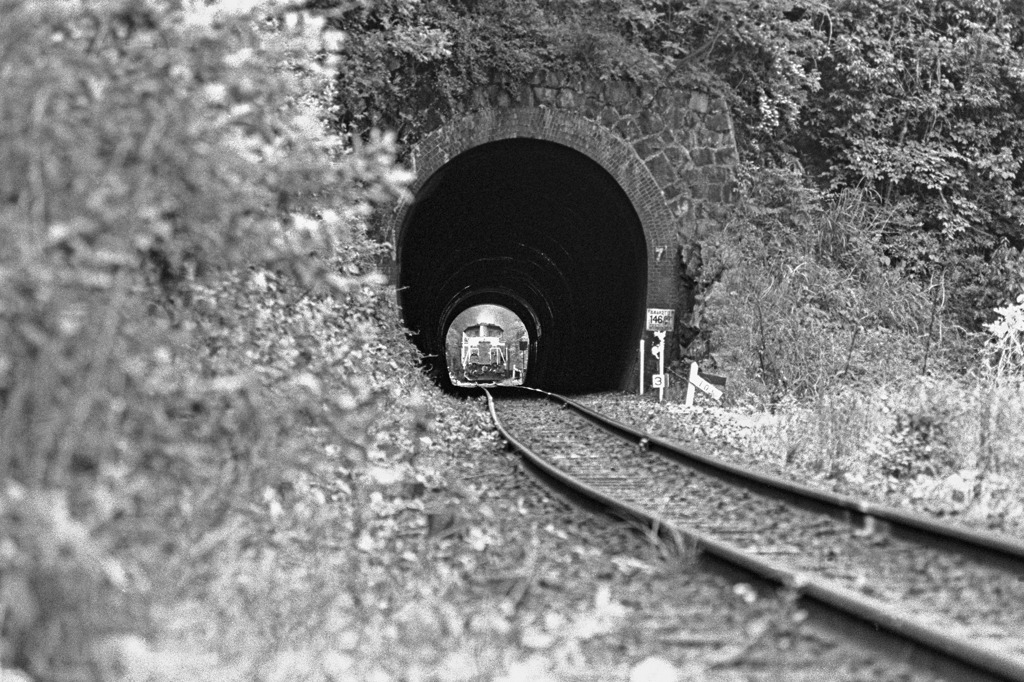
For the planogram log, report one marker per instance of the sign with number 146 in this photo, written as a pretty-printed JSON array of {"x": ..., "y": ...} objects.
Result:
[{"x": 660, "y": 319}]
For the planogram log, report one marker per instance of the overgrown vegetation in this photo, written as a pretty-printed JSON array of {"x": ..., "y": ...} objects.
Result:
[
  {"x": 874, "y": 388},
  {"x": 921, "y": 102},
  {"x": 946, "y": 446},
  {"x": 1004, "y": 351},
  {"x": 798, "y": 294},
  {"x": 916, "y": 107},
  {"x": 208, "y": 412},
  {"x": 147, "y": 148}
]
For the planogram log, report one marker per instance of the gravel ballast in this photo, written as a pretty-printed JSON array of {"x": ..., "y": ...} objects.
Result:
[{"x": 706, "y": 614}]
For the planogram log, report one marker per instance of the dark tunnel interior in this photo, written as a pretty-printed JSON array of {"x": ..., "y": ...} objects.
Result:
[{"x": 543, "y": 230}]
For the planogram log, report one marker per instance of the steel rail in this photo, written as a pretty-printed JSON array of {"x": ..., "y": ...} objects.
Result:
[
  {"x": 828, "y": 604},
  {"x": 1007, "y": 552}
]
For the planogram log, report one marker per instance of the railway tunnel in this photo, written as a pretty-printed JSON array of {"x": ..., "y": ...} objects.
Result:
[{"x": 543, "y": 230}]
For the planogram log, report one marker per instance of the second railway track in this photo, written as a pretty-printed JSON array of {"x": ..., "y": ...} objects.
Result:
[{"x": 953, "y": 596}]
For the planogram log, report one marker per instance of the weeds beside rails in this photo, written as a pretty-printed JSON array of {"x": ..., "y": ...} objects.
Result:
[
  {"x": 946, "y": 445},
  {"x": 795, "y": 296},
  {"x": 873, "y": 386}
]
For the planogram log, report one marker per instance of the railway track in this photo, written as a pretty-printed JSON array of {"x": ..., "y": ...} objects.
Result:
[{"x": 943, "y": 598}]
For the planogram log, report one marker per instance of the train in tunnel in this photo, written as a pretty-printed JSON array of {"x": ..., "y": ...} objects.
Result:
[
  {"x": 485, "y": 357},
  {"x": 546, "y": 232}
]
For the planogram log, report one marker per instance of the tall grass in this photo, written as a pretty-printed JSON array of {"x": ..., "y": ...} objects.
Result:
[
  {"x": 875, "y": 390},
  {"x": 798, "y": 294},
  {"x": 944, "y": 444},
  {"x": 1003, "y": 353}
]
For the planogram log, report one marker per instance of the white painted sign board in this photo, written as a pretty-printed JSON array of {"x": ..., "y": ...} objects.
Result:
[
  {"x": 696, "y": 381},
  {"x": 660, "y": 319},
  {"x": 657, "y": 381},
  {"x": 703, "y": 385}
]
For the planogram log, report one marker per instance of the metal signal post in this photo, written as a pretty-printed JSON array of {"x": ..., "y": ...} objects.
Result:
[{"x": 658, "y": 350}]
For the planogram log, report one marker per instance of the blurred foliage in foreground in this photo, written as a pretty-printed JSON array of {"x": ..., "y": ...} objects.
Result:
[{"x": 145, "y": 146}]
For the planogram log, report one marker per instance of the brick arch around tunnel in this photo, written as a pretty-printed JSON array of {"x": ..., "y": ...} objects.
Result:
[
  {"x": 655, "y": 182},
  {"x": 588, "y": 137}
]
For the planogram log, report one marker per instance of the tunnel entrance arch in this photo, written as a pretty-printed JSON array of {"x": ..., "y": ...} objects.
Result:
[{"x": 546, "y": 213}]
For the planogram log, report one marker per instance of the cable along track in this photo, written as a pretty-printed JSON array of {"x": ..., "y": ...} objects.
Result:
[{"x": 943, "y": 597}]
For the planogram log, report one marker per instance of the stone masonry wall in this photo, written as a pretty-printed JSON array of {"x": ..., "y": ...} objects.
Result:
[
  {"x": 684, "y": 138},
  {"x": 673, "y": 153},
  {"x": 588, "y": 137}
]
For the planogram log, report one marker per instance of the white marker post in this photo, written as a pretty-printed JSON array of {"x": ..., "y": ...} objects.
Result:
[
  {"x": 689, "y": 384},
  {"x": 660, "y": 321},
  {"x": 696, "y": 381},
  {"x": 643, "y": 348},
  {"x": 658, "y": 350}
]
